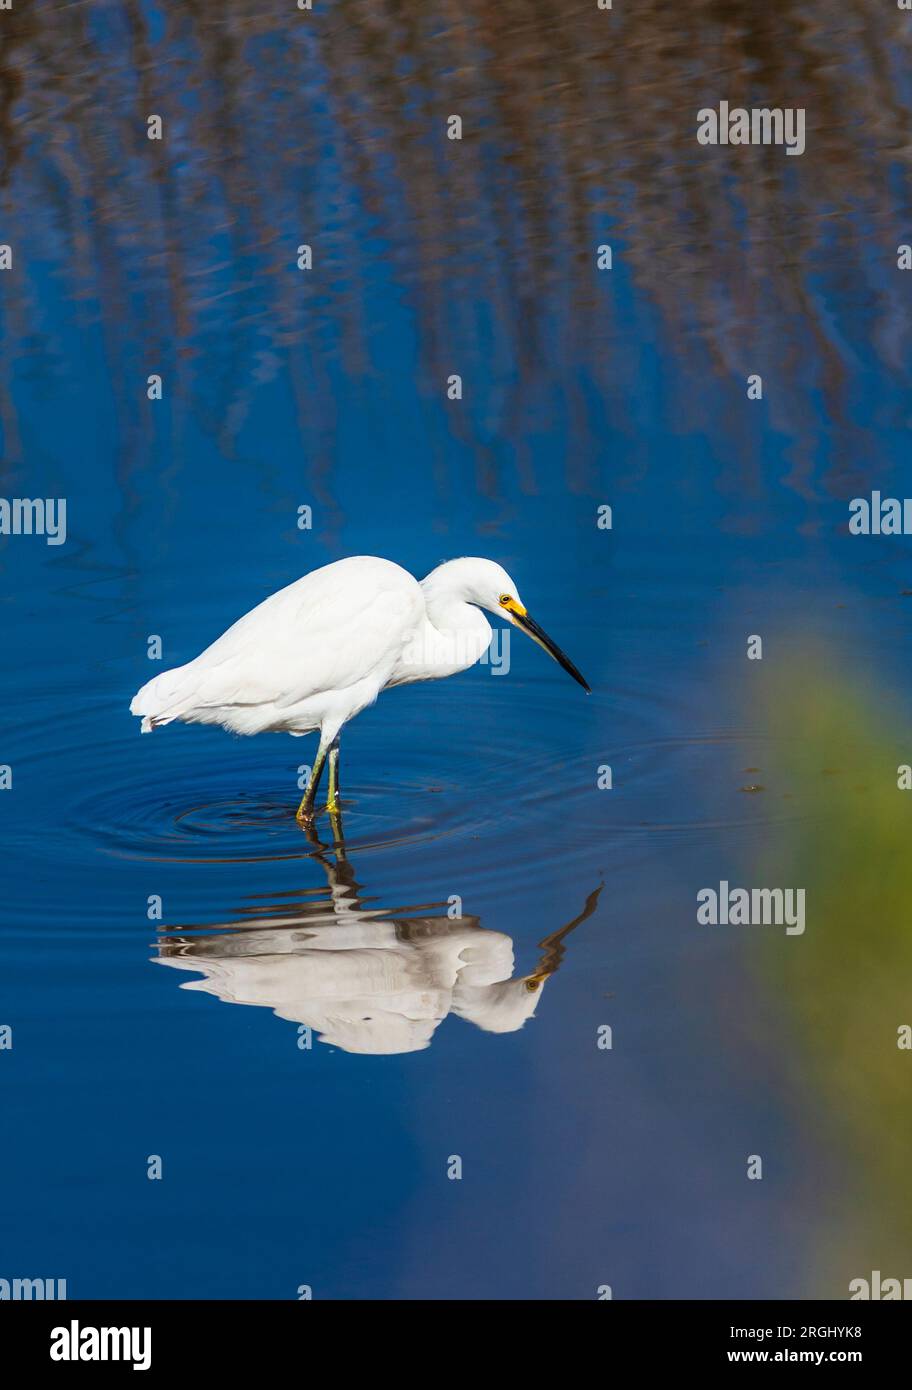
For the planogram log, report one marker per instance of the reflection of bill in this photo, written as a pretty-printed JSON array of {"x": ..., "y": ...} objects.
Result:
[{"x": 363, "y": 980}]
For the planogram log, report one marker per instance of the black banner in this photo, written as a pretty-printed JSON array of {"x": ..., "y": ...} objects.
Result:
[{"x": 245, "y": 1337}]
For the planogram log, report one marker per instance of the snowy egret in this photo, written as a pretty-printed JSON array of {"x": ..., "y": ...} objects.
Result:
[
  {"x": 362, "y": 979},
  {"x": 314, "y": 654}
]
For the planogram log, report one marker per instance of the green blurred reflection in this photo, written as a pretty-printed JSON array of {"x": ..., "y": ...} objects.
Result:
[{"x": 844, "y": 986}]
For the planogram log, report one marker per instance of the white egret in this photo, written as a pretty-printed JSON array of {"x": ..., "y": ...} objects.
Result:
[
  {"x": 314, "y": 654},
  {"x": 362, "y": 979}
]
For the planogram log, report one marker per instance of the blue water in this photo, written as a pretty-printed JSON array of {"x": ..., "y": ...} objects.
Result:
[{"x": 327, "y": 1165}]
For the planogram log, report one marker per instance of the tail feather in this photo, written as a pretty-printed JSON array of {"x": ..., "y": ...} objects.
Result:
[{"x": 158, "y": 701}]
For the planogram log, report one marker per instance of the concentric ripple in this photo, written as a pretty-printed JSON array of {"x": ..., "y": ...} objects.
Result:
[{"x": 195, "y": 795}]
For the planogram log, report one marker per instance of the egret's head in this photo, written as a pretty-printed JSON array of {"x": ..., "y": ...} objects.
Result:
[
  {"x": 499, "y": 1008},
  {"x": 493, "y": 589}
]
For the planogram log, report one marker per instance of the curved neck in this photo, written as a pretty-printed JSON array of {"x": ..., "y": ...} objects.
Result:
[
  {"x": 463, "y": 633},
  {"x": 454, "y": 636}
]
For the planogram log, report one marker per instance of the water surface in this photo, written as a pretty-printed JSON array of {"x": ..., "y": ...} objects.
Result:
[{"x": 437, "y": 1035}]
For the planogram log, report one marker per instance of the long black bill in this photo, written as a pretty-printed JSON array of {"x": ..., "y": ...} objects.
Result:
[{"x": 530, "y": 626}]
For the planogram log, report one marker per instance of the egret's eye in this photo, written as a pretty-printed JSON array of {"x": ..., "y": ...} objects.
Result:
[
  {"x": 505, "y": 599},
  {"x": 532, "y": 985}
]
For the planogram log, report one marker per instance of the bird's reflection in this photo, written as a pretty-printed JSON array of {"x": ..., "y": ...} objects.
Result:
[{"x": 363, "y": 978}]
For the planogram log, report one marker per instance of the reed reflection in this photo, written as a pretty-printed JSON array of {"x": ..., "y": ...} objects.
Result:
[
  {"x": 366, "y": 979},
  {"x": 283, "y": 127}
]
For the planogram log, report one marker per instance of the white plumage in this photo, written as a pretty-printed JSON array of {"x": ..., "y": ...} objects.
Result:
[
  {"x": 367, "y": 986},
  {"x": 321, "y": 648},
  {"x": 362, "y": 979},
  {"x": 316, "y": 653}
]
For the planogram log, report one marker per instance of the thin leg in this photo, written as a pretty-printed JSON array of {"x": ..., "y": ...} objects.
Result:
[
  {"x": 333, "y": 804},
  {"x": 335, "y": 822},
  {"x": 305, "y": 811}
]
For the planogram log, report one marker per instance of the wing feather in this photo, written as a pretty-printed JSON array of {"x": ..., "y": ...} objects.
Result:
[{"x": 327, "y": 631}]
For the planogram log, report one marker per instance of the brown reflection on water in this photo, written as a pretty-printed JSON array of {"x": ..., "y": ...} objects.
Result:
[{"x": 329, "y": 127}]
